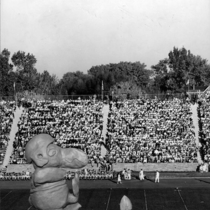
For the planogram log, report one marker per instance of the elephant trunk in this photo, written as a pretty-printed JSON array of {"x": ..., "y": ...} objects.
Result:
[{"x": 73, "y": 158}]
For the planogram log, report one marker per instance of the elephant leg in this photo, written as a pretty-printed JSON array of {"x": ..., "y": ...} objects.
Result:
[
  {"x": 31, "y": 205},
  {"x": 29, "y": 200},
  {"x": 73, "y": 198},
  {"x": 74, "y": 206}
]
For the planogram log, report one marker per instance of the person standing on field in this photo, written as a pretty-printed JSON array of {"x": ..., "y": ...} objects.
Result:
[
  {"x": 157, "y": 177},
  {"x": 141, "y": 175},
  {"x": 119, "y": 181}
]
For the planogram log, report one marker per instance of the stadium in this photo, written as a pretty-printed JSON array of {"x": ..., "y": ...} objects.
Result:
[
  {"x": 119, "y": 137},
  {"x": 104, "y": 104}
]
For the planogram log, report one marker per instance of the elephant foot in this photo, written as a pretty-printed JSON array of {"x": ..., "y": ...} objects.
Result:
[{"x": 74, "y": 206}]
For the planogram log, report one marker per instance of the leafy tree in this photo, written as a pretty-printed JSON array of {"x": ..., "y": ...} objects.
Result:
[
  {"x": 126, "y": 90},
  {"x": 27, "y": 75},
  {"x": 77, "y": 83},
  {"x": 112, "y": 74},
  {"x": 7, "y": 77},
  {"x": 47, "y": 84},
  {"x": 181, "y": 67}
]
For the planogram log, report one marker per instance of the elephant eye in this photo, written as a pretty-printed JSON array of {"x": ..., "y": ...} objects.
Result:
[
  {"x": 51, "y": 150},
  {"x": 40, "y": 155}
]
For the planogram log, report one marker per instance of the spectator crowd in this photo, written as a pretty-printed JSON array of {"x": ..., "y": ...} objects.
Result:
[
  {"x": 148, "y": 130},
  {"x": 6, "y": 118},
  {"x": 204, "y": 124},
  {"x": 142, "y": 130},
  {"x": 72, "y": 123}
]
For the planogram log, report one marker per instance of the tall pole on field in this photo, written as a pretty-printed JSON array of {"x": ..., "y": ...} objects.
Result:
[
  {"x": 102, "y": 90},
  {"x": 15, "y": 95}
]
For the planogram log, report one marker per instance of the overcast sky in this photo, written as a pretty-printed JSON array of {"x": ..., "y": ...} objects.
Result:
[{"x": 71, "y": 35}]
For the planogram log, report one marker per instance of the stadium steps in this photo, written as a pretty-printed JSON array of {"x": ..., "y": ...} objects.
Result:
[
  {"x": 13, "y": 131},
  {"x": 105, "y": 112},
  {"x": 194, "y": 108}
]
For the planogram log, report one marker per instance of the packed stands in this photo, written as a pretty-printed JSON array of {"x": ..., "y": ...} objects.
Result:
[
  {"x": 91, "y": 174},
  {"x": 204, "y": 115},
  {"x": 147, "y": 130},
  {"x": 6, "y": 118},
  {"x": 25, "y": 175},
  {"x": 143, "y": 130},
  {"x": 73, "y": 123},
  {"x": 85, "y": 174}
]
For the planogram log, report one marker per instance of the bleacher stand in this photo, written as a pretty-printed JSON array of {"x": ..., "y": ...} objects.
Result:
[
  {"x": 73, "y": 123},
  {"x": 143, "y": 130},
  {"x": 15, "y": 176},
  {"x": 204, "y": 114},
  {"x": 147, "y": 130},
  {"x": 87, "y": 174},
  {"x": 6, "y": 119}
]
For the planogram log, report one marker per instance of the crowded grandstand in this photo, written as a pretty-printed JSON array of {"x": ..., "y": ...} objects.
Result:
[
  {"x": 121, "y": 115},
  {"x": 137, "y": 131}
]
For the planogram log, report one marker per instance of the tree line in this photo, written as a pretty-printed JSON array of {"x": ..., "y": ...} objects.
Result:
[{"x": 177, "y": 73}]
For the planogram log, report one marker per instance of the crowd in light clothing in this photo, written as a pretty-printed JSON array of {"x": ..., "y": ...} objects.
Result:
[
  {"x": 146, "y": 130},
  {"x": 88, "y": 174},
  {"x": 73, "y": 123},
  {"x": 7, "y": 109},
  {"x": 14, "y": 176}
]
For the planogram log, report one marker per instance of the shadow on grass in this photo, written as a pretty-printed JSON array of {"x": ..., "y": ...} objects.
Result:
[
  {"x": 148, "y": 179},
  {"x": 113, "y": 181},
  {"x": 145, "y": 178},
  {"x": 203, "y": 181}
]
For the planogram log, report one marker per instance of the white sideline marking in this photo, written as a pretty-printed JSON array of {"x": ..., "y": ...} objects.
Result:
[
  {"x": 107, "y": 206},
  {"x": 6, "y": 195},
  {"x": 145, "y": 198},
  {"x": 178, "y": 190}
]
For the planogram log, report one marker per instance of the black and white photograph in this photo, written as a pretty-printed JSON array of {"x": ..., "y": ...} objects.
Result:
[{"x": 104, "y": 104}]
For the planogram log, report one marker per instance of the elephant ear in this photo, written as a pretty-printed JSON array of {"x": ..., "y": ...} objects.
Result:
[{"x": 40, "y": 161}]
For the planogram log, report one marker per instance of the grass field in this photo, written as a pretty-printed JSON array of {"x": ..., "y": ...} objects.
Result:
[{"x": 186, "y": 194}]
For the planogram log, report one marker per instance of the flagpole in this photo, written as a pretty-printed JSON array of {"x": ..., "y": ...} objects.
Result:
[
  {"x": 15, "y": 95},
  {"x": 102, "y": 90}
]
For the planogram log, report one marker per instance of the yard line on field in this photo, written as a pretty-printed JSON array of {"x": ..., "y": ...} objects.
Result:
[
  {"x": 107, "y": 206},
  {"x": 145, "y": 198},
  {"x": 178, "y": 190},
  {"x": 6, "y": 195}
]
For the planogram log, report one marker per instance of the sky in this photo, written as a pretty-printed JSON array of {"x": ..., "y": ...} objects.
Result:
[{"x": 74, "y": 35}]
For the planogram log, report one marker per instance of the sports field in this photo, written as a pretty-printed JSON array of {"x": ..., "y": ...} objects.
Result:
[{"x": 169, "y": 194}]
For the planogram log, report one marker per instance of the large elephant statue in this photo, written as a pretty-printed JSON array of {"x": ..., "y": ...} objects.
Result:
[{"x": 49, "y": 190}]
